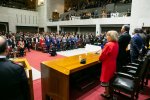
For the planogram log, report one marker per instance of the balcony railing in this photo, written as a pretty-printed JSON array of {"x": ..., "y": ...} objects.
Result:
[{"x": 104, "y": 15}]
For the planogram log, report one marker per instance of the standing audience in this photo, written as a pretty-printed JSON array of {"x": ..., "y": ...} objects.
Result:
[
  {"x": 108, "y": 57},
  {"x": 48, "y": 42},
  {"x": 123, "y": 41},
  {"x": 137, "y": 43},
  {"x": 21, "y": 46}
]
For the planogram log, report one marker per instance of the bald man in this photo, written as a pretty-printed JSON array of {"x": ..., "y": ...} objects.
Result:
[{"x": 13, "y": 80}]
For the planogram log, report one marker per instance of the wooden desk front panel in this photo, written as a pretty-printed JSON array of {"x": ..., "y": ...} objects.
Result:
[
  {"x": 55, "y": 85},
  {"x": 55, "y": 75}
]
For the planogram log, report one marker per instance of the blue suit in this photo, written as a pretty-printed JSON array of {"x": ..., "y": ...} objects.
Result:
[
  {"x": 136, "y": 46},
  {"x": 48, "y": 42}
]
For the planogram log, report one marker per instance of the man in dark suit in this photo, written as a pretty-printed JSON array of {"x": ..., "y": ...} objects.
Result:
[
  {"x": 13, "y": 80},
  {"x": 123, "y": 41}
]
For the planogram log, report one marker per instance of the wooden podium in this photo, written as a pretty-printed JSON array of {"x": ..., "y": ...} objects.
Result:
[
  {"x": 28, "y": 70},
  {"x": 55, "y": 75}
]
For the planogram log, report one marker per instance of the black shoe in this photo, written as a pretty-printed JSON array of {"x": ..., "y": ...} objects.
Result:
[{"x": 105, "y": 96}]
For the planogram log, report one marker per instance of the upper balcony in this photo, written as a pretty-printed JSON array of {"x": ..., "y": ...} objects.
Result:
[{"x": 110, "y": 14}]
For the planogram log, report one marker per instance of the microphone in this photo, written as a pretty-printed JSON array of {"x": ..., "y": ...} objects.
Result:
[{"x": 97, "y": 52}]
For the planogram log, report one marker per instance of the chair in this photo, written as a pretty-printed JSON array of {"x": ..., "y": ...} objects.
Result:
[
  {"x": 33, "y": 45},
  {"x": 44, "y": 49},
  {"x": 148, "y": 70},
  {"x": 39, "y": 47},
  {"x": 127, "y": 83},
  {"x": 134, "y": 69},
  {"x": 10, "y": 52}
]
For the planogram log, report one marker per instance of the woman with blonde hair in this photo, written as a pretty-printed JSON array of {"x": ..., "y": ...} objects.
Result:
[{"x": 108, "y": 57}]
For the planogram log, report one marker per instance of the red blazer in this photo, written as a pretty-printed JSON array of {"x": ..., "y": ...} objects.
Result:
[
  {"x": 41, "y": 42},
  {"x": 108, "y": 58}
]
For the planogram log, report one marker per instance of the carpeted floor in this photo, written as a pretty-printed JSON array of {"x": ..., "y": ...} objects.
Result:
[
  {"x": 93, "y": 94},
  {"x": 37, "y": 89},
  {"x": 35, "y": 58}
]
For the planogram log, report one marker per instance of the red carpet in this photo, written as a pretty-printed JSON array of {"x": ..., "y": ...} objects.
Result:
[
  {"x": 35, "y": 58},
  {"x": 37, "y": 89},
  {"x": 93, "y": 94}
]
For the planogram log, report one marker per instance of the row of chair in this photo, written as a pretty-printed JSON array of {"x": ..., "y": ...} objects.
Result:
[
  {"x": 131, "y": 79},
  {"x": 15, "y": 53}
]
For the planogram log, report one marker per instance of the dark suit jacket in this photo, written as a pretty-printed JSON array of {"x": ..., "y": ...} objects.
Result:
[
  {"x": 123, "y": 41},
  {"x": 13, "y": 81}
]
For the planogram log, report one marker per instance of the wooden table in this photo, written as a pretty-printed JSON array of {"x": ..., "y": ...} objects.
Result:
[
  {"x": 55, "y": 75},
  {"x": 28, "y": 70}
]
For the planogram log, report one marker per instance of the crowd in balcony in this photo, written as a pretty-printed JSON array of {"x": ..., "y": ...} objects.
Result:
[
  {"x": 95, "y": 9},
  {"x": 88, "y": 4},
  {"x": 95, "y": 14}
]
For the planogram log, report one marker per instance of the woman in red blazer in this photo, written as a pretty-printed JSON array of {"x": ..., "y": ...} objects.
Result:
[{"x": 108, "y": 58}]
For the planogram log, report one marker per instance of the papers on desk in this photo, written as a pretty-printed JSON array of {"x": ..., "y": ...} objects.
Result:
[{"x": 93, "y": 48}]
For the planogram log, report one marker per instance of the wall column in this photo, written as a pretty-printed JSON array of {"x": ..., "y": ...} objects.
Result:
[
  {"x": 98, "y": 29},
  {"x": 58, "y": 28},
  {"x": 62, "y": 29},
  {"x": 78, "y": 30},
  {"x": 45, "y": 29},
  {"x": 12, "y": 28},
  {"x": 139, "y": 14}
]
